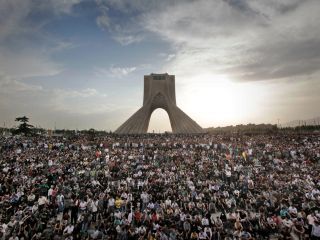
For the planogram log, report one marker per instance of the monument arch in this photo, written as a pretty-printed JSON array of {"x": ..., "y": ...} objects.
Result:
[
  {"x": 159, "y": 92},
  {"x": 159, "y": 122}
]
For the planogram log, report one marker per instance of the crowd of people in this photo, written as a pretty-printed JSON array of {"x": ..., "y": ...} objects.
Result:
[{"x": 163, "y": 187}]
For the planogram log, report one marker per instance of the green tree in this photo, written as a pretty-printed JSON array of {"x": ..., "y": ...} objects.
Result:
[
  {"x": 24, "y": 126},
  {"x": 92, "y": 133}
]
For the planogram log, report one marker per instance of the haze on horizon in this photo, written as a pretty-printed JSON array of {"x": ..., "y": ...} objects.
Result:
[{"x": 80, "y": 63}]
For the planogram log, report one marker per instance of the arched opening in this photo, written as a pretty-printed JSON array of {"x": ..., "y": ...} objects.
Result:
[{"x": 159, "y": 122}]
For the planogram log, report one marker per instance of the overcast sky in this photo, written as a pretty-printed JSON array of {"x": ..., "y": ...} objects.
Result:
[{"x": 80, "y": 63}]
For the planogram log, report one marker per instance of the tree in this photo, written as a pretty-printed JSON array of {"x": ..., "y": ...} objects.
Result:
[
  {"x": 24, "y": 126},
  {"x": 92, "y": 133}
]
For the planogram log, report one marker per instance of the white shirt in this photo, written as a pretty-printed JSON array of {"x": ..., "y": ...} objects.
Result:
[
  {"x": 43, "y": 200},
  {"x": 130, "y": 216},
  {"x": 293, "y": 210},
  {"x": 203, "y": 235},
  {"x": 50, "y": 191},
  {"x": 111, "y": 202},
  {"x": 168, "y": 202},
  {"x": 83, "y": 205},
  {"x": 94, "y": 206},
  {"x": 315, "y": 230},
  {"x": 205, "y": 222},
  {"x": 68, "y": 229}
]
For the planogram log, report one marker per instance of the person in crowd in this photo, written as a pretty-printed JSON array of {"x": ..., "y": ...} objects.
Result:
[{"x": 161, "y": 187}]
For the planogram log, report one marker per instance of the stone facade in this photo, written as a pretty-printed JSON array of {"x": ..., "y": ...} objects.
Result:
[{"x": 159, "y": 92}]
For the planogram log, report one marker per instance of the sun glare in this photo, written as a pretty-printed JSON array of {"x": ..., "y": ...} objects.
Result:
[{"x": 216, "y": 100}]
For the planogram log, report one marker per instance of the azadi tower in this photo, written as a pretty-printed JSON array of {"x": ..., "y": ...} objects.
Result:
[{"x": 159, "y": 92}]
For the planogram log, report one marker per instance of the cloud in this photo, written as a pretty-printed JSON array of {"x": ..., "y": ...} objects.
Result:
[
  {"x": 250, "y": 41},
  {"x": 8, "y": 85},
  {"x": 243, "y": 40},
  {"x": 63, "y": 6},
  {"x": 124, "y": 32},
  {"x": 16, "y": 15},
  {"x": 127, "y": 39},
  {"x": 12, "y": 14},
  {"x": 69, "y": 108},
  {"x": 27, "y": 63},
  {"x": 170, "y": 57},
  {"x": 80, "y": 102},
  {"x": 60, "y": 45},
  {"x": 16, "y": 94},
  {"x": 103, "y": 20},
  {"x": 85, "y": 93},
  {"x": 113, "y": 71},
  {"x": 26, "y": 48},
  {"x": 142, "y": 6}
]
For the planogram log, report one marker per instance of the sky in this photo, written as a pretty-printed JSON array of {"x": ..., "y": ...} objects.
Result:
[{"x": 79, "y": 64}]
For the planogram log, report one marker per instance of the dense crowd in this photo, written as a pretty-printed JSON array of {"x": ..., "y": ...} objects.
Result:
[{"x": 162, "y": 187}]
